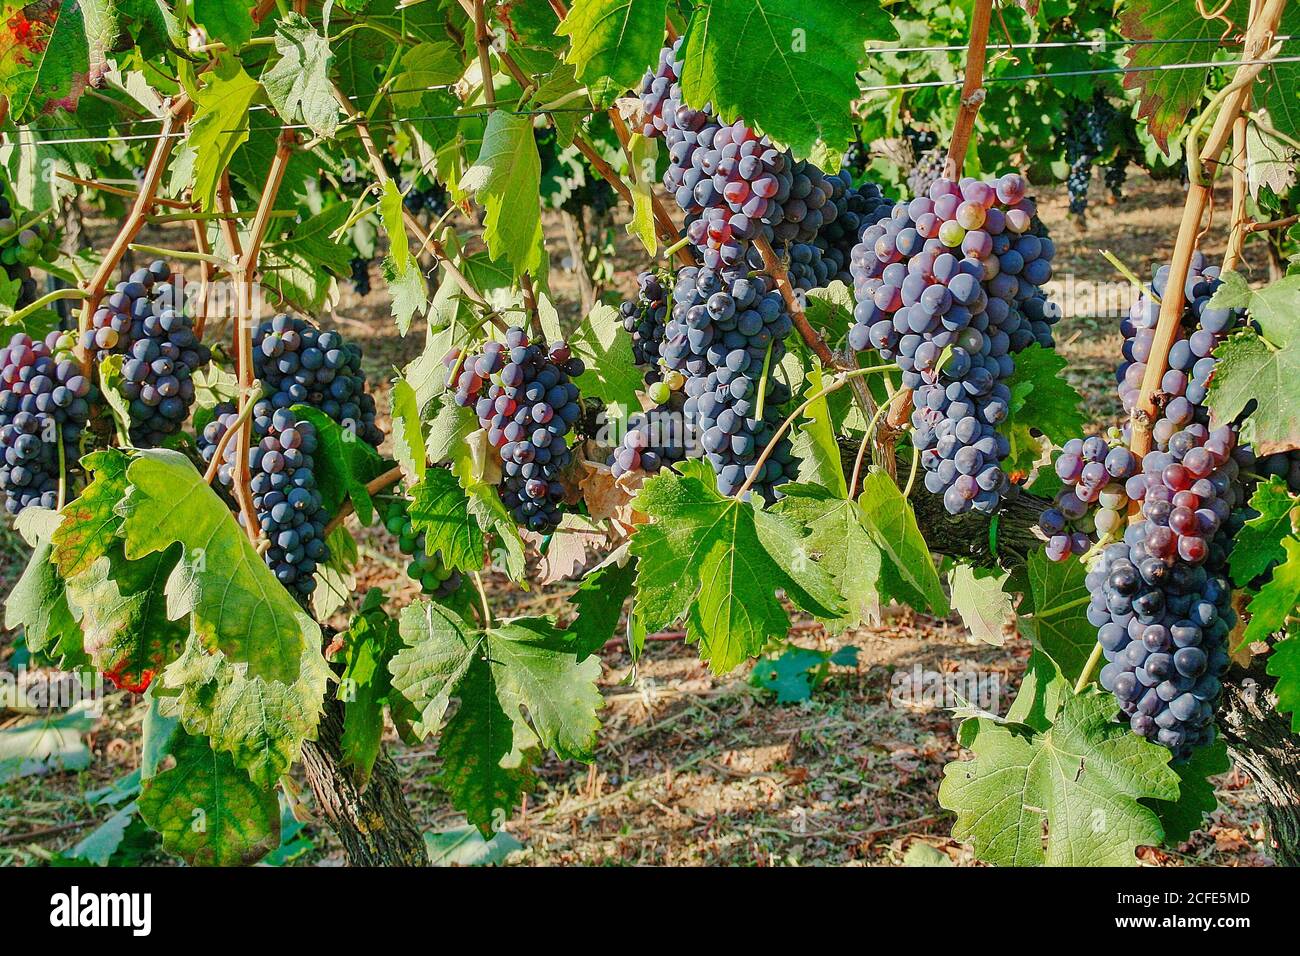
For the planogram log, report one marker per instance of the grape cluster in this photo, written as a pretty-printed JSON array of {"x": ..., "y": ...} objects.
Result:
[
  {"x": 524, "y": 397},
  {"x": 857, "y": 157},
  {"x": 1283, "y": 464},
  {"x": 301, "y": 364},
  {"x": 360, "y": 275},
  {"x": 428, "y": 570},
  {"x": 1087, "y": 134},
  {"x": 733, "y": 184},
  {"x": 1160, "y": 598},
  {"x": 856, "y": 209},
  {"x": 719, "y": 337},
  {"x": 21, "y": 248},
  {"x": 957, "y": 273},
  {"x": 1093, "y": 472},
  {"x": 1115, "y": 175},
  {"x": 283, "y": 484},
  {"x": 432, "y": 199},
  {"x": 644, "y": 319},
  {"x": 927, "y": 169},
  {"x": 44, "y": 399},
  {"x": 144, "y": 321},
  {"x": 654, "y": 438}
]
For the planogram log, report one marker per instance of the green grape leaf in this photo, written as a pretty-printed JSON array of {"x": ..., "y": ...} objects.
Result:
[
  {"x": 465, "y": 846},
  {"x": 1182, "y": 817},
  {"x": 611, "y": 373},
  {"x": 1042, "y": 690},
  {"x": 408, "y": 290},
  {"x": 814, "y": 443},
  {"x": 614, "y": 39},
  {"x": 599, "y": 601},
  {"x": 1057, "y": 619},
  {"x": 1041, "y": 399},
  {"x": 49, "y": 743},
  {"x": 46, "y": 54},
  {"x": 890, "y": 520},
  {"x": 1085, "y": 776},
  {"x": 262, "y": 724},
  {"x": 126, "y": 629},
  {"x": 720, "y": 561},
  {"x": 220, "y": 125},
  {"x": 845, "y": 548},
  {"x": 301, "y": 264},
  {"x": 230, "y": 23},
  {"x": 1258, "y": 545},
  {"x": 208, "y": 810},
  {"x": 440, "y": 508},
  {"x": 643, "y": 160},
  {"x": 738, "y": 52},
  {"x": 298, "y": 84},
  {"x": 524, "y": 667},
  {"x": 38, "y": 603},
  {"x": 90, "y": 521},
  {"x": 236, "y": 604},
  {"x": 506, "y": 180},
  {"x": 1265, "y": 363},
  {"x": 979, "y": 596},
  {"x": 487, "y": 508},
  {"x": 344, "y": 463},
  {"x": 1284, "y": 664},
  {"x": 336, "y": 579},
  {"x": 368, "y": 645},
  {"x": 408, "y": 432},
  {"x": 796, "y": 672},
  {"x": 449, "y": 426},
  {"x": 1268, "y": 610},
  {"x": 1165, "y": 74}
]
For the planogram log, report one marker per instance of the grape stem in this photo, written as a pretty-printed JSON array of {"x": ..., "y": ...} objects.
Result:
[
  {"x": 373, "y": 487},
  {"x": 121, "y": 191},
  {"x": 482, "y": 41},
  {"x": 63, "y": 469},
  {"x": 837, "y": 382},
  {"x": 483, "y": 600},
  {"x": 972, "y": 90},
  {"x": 219, "y": 452},
  {"x": 866, "y": 438},
  {"x": 1122, "y": 268},
  {"x": 1237, "y": 217},
  {"x": 1085, "y": 677},
  {"x": 183, "y": 255},
  {"x": 42, "y": 302}
]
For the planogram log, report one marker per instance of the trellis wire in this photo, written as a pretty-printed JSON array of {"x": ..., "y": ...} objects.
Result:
[{"x": 923, "y": 84}]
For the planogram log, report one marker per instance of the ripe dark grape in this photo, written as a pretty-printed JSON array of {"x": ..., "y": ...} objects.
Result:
[
  {"x": 360, "y": 275},
  {"x": 956, "y": 273},
  {"x": 428, "y": 570},
  {"x": 283, "y": 485},
  {"x": 301, "y": 364},
  {"x": 927, "y": 167},
  {"x": 643, "y": 319},
  {"x": 654, "y": 438},
  {"x": 43, "y": 398},
  {"x": 524, "y": 397},
  {"x": 719, "y": 337},
  {"x": 144, "y": 321},
  {"x": 1089, "y": 131}
]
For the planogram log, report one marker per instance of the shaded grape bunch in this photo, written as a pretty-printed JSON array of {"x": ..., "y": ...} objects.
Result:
[
  {"x": 1284, "y": 465},
  {"x": 361, "y": 276},
  {"x": 1161, "y": 599},
  {"x": 927, "y": 169},
  {"x": 857, "y": 157},
  {"x": 1088, "y": 132},
  {"x": 1115, "y": 175},
  {"x": 433, "y": 199},
  {"x": 654, "y": 438},
  {"x": 733, "y": 184},
  {"x": 956, "y": 273},
  {"x": 643, "y": 319},
  {"x": 427, "y": 570},
  {"x": 44, "y": 402},
  {"x": 144, "y": 321},
  {"x": 719, "y": 337},
  {"x": 286, "y": 499},
  {"x": 301, "y": 364},
  {"x": 523, "y": 395},
  {"x": 23, "y": 246},
  {"x": 856, "y": 209}
]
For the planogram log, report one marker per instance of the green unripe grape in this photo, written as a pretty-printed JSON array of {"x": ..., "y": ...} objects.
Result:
[
  {"x": 406, "y": 544},
  {"x": 7, "y": 226},
  {"x": 430, "y": 582},
  {"x": 394, "y": 524},
  {"x": 951, "y": 233},
  {"x": 659, "y": 393},
  {"x": 28, "y": 239},
  {"x": 28, "y": 257}
]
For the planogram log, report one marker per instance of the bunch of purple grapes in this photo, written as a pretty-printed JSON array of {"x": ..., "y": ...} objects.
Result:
[
  {"x": 956, "y": 276},
  {"x": 1160, "y": 598},
  {"x": 733, "y": 184},
  {"x": 44, "y": 399},
  {"x": 722, "y": 333},
  {"x": 523, "y": 395},
  {"x": 304, "y": 365},
  {"x": 644, "y": 319},
  {"x": 144, "y": 320},
  {"x": 856, "y": 208},
  {"x": 1093, "y": 473},
  {"x": 285, "y": 496},
  {"x": 654, "y": 438}
]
